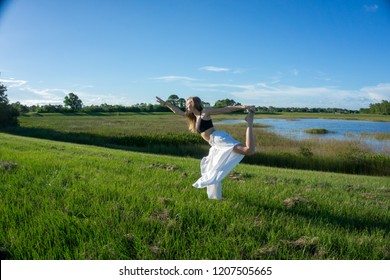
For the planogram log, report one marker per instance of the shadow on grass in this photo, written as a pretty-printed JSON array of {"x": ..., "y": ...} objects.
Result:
[
  {"x": 191, "y": 145},
  {"x": 184, "y": 144},
  {"x": 320, "y": 215}
]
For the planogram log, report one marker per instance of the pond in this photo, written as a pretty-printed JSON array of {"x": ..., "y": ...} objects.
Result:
[{"x": 338, "y": 129}]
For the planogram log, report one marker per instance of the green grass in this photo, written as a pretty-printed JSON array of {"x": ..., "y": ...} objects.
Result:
[
  {"x": 317, "y": 131},
  {"x": 165, "y": 133},
  {"x": 69, "y": 201},
  {"x": 378, "y": 136}
]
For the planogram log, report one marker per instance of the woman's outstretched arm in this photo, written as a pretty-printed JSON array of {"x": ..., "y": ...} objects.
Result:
[
  {"x": 229, "y": 109},
  {"x": 172, "y": 107}
]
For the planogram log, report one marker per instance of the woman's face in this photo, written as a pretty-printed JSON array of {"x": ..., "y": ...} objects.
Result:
[{"x": 190, "y": 105}]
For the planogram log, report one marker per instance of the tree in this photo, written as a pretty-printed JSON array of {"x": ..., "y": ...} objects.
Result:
[
  {"x": 20, "y": 107},
  {"x": 8, "y": 114},
  {"x": 181, "y": 102},
  {"x": 378, "y": 108},
  {"x": 173, "y": 99},
  {"x": 226, "y": 102},
  {"x": 73, "y": 102},
  {"x": 206, "y": 104},
  {"x": 3, "y": 95}
]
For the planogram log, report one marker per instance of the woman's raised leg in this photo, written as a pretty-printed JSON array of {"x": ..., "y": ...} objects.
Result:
[{"x": 250, "y": 147}]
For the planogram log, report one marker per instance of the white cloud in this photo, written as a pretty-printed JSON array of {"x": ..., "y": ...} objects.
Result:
[
  {"x": 215, "y": 69},
  {"x": 46, "y": 93},
  {"x": 272, "y": 93},
  {"x": 223, "y": 85},
  {"x": 22, "y": 91},
  {"x": 12, "y": 83},
  {"x": 371, "y": 8},
  {"x": 283, "y": 95},
  {"x": 377, "y": 93},
  {"x": 215, "y": 87},
  {"x": 174, "y": 78},
  {"x": 292, "y": 96}
]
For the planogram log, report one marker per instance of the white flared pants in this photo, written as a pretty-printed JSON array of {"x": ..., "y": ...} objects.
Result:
[{"x": 218, "y": 163}]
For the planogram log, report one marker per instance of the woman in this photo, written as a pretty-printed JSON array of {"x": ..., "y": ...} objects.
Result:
[{"x": 225, "y": 152}]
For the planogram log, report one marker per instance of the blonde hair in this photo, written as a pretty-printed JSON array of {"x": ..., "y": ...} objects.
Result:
[{"x": 191, "y": 118}]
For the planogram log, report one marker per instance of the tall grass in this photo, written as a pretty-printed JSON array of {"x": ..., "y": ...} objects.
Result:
[
  {"x": 312, "y": 154},
  {"x": 378, "y": 136},
  {"x": 168, "y": 134},
  {"x": 67, "y": 201}
]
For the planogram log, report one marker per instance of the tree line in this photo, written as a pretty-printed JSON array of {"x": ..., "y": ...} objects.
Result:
[
  {"x": 8, "y": 114},
  {"x": 72, "y": 103},
  {"x": 382, "y": 108}
]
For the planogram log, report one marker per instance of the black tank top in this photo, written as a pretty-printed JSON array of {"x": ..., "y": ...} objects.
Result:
[{"x": 204, "y": 125}]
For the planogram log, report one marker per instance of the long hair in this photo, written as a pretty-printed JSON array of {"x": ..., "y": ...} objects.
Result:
[{"x": 191, "y": 118}]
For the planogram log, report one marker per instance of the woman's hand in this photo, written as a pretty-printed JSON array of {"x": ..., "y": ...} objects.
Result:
[
  {"x": 172, "y": 107},
  {"x": 251, "y": 108},
  {"x": 162, "y": 102}
]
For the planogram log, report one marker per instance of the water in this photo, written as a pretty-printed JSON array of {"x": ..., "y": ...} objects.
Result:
[{"x": 339, "y": 129}]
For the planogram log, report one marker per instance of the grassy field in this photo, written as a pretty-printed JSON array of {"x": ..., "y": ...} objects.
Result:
[
  {"x": 69, "y": 201},
  {"x": 165, "y": 133}
]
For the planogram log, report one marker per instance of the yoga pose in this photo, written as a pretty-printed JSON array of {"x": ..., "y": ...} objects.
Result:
[{"x": 225, "y": 152}]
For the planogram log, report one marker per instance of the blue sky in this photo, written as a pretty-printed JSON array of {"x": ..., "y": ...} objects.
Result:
[{"x": 283, "y": 53}]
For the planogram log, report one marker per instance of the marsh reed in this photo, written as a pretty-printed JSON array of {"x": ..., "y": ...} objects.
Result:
[{"x": 163, "y": 133}]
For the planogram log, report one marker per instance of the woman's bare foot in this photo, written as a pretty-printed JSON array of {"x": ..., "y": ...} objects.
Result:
[
  {"x": 250, "y": 109},
  {"x": 249, "y": 117}
]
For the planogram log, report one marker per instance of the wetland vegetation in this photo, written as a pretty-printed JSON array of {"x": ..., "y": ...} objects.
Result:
[{"x": 119, "y": 186}]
